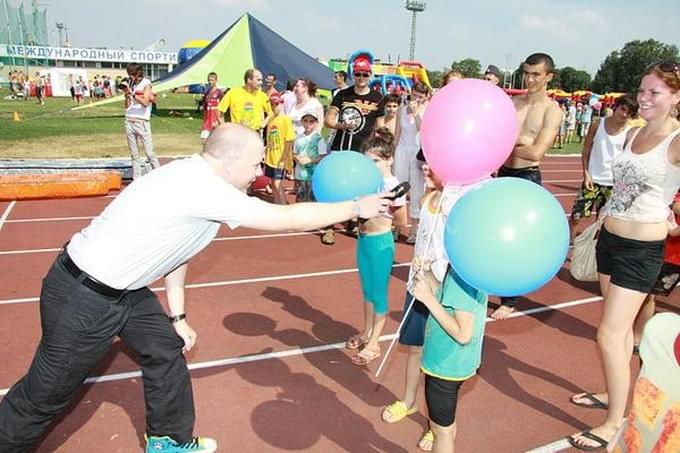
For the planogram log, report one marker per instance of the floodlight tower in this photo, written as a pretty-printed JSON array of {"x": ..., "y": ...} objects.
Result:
[
  {"x": 60, "y": 27},
  {"x": 415, "y": 7}
]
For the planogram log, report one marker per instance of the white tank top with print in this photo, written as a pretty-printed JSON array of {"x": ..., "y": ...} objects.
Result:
[{"x": 644, "y": 184}]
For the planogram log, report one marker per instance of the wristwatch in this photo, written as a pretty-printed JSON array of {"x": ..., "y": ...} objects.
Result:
[{"x": 177, "y": 318}]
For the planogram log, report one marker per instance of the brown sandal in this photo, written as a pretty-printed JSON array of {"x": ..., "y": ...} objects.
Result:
[
  {"x": 365, "y": 357},
  {"x": 328, "y": 237},
  {"x": 356, "y": 341}
]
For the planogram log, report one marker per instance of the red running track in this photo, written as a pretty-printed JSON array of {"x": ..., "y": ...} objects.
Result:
[{"x": 269, "y": 372}]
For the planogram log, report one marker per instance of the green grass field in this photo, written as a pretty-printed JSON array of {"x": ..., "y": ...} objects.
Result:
[{"x": 54, "y": 130}]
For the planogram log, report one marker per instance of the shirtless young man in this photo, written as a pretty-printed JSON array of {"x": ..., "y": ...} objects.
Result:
[{"x": 539, "y": 122}]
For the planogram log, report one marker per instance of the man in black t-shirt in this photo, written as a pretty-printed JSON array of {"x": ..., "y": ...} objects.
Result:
[{"x": 355, "y": 111}]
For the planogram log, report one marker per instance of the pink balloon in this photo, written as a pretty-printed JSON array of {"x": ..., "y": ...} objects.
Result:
[{"x": 469, "y": 129}]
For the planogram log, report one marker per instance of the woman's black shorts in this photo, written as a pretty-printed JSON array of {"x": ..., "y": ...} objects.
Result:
[{"x": 630, "y": 263}]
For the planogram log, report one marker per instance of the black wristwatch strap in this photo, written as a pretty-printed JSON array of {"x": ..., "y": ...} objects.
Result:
[{"x": 178, "y": 318}]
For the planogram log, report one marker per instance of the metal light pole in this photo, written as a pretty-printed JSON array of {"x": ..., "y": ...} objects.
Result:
[
  {"x": 22, "y": 34},
  {"x": 60, "y": 27},
  {"x": 9, "y": 32},
  {"x": 415, "y": 7}
]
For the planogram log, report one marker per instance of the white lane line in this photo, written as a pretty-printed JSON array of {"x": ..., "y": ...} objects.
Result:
[
  {"x": 302, "y": 351},
  {"x": 532, "y": 311},
  {"x": 553, "y": 447},
  {"x": 267, "y": 236},
  {"x": 5, "y": 214},
  {"x": 50, "y": 219},
  {"x": 274, "y": 278},
  {"x": 63, "y": 219},
  {"x": 224, "y": 238},
  {"x": 21, "y": 252}
]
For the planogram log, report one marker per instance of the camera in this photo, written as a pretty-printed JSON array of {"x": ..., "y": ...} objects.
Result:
[{"x": 123, "y": 85}]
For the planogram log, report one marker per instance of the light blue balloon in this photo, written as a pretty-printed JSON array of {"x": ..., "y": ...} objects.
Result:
[
  {"x": 345, "y": 175},
  {"x": 507, "y": 237}
]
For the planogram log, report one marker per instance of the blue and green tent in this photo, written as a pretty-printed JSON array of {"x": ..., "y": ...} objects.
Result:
[{"x": 247, "y": 43}]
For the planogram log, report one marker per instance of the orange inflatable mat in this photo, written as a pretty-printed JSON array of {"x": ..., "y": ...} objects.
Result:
[{"x": 58, "y": 185}]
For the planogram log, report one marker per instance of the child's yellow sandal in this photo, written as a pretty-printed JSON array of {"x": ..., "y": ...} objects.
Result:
[
  {"x": 398, "y": 410},
  {"x": 427, "y": 441}
]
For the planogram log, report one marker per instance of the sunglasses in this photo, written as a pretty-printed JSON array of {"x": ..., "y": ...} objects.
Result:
[
  {"x": 362, "y": 74},
  {"x": 667, "y": 66}
]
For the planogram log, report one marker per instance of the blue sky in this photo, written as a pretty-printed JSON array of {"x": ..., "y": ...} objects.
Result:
[{"x": 578, "y": 33}]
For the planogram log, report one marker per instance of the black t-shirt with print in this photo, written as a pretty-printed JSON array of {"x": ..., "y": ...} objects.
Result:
[{"x": 359, "y": 110}]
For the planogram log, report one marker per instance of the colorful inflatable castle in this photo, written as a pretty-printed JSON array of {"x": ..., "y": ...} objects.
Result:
[
  {"x": 597, "y": 101},
  {"x": 189, "y": 50}
]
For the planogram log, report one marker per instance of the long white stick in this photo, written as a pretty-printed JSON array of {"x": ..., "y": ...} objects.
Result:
[{"x": 410, "y": 304}]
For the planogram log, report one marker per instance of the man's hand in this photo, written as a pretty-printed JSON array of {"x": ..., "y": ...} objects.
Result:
[
  {"x": 588, "y": 181},
  {"x": 524, "y": 140},
  {"x": 673, "y": 229},
  {"x": 373, "y": 205},
  {"x": 412, "y": 107},
  {"x": 187, "y": 334}
]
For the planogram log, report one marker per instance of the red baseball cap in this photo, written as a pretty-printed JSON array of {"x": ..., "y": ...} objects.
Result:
[
  {"x": 275, "y": 98},
  {"x": 361, "y": 65}
]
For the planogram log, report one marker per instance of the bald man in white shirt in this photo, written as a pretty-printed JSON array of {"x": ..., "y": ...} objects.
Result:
[{"x": 97, "y": 288}]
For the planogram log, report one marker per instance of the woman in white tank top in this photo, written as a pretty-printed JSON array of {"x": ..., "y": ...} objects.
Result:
[
  {"x": 646, "y": 176},
  {"x": 406, "y": 167},
  {"x": 604, "y": 141}
]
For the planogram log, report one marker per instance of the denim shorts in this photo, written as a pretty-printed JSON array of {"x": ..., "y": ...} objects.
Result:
[
  {"x": 413, "y": 331},
  {"x": 532, "y": 174},
  {"x": 630, "y": 263},
  {"x": 274, "y": 173}
]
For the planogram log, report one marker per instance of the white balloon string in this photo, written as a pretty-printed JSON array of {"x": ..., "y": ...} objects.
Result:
[{"x": 410, "y": 303}]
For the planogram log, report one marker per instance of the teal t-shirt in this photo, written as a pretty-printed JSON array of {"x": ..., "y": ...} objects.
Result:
[
  {"x": 312, "y": 146},
  {"x": 443, "y": 356}
]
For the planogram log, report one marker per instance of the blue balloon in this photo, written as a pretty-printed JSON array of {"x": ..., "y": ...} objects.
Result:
[
  {"x": 507, "y": 237},
  {"x": 345, "y": 175}
]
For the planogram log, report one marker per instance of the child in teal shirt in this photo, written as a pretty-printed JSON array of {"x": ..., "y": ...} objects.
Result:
[
  {"x": 452, "y": 351},
  {"x": 308, "y": 150}
]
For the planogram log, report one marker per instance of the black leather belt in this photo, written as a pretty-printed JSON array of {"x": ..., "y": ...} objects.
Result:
[{"x": 94, "y": 285}]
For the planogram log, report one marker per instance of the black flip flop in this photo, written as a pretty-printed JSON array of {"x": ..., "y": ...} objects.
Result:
[
  {"x": 596, "y": 403},
  {"x": 601, "y": 443}
]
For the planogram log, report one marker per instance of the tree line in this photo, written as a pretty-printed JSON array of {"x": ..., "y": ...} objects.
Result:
[{"x": 620, "y": 71}]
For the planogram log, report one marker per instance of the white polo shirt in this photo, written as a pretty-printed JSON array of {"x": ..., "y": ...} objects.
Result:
[{"x": 160, "y": 222}]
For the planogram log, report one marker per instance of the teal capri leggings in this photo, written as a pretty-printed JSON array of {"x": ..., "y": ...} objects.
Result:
[{"x": 375, "y": 255}]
